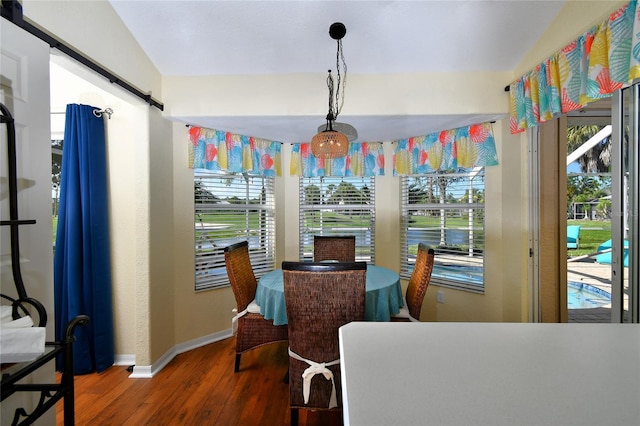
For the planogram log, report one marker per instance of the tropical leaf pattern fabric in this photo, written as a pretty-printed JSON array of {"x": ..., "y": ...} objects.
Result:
[
  {"x": 363, "y": 159},
  {"x": 464, "y": 147},
  {"x": 217, "y": 150},
  {"x": 596, "y": 64}
]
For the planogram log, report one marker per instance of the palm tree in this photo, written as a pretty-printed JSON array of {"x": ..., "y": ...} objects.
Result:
[
  {"x": 598, "y": 158},
  {"x": 595, "y": 160}
]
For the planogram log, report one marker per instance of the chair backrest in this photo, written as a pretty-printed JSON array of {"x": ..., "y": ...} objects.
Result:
[
  {"x": 241, "y": 276},
  {"x": 320, "y": 298},
  {"x": 341, "y": 248},
  {"x": 573, "y": 236},
  {"x": 419, "y": 281}
]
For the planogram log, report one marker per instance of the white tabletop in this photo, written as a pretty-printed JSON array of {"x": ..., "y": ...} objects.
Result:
[{"x": 490, "y": 374}]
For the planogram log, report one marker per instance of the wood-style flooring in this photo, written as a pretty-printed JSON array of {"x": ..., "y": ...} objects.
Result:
[{"x": 197, "y": 387}]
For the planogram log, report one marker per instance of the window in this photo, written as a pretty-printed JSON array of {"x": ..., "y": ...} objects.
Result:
[
  {"x": 56, "y": 171},
  {"x": 230, "y": 208},
  {"x": 446, "y": 211},
  {"x": 338, "y": 206}
]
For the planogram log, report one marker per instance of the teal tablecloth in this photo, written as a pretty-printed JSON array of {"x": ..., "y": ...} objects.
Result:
[{"x": 383, "y": 298}]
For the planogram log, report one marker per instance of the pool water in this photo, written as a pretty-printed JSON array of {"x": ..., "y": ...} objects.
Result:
[{"x": 585, "y": 296}]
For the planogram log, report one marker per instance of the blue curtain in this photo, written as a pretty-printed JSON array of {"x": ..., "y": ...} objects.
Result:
[{"x": 82, "y": 264}]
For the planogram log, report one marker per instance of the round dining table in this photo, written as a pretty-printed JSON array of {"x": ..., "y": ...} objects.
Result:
[{"x": 383, "y": 295}]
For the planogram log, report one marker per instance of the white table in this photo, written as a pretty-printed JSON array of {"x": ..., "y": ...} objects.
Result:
[{"x": 490, "y": 374}]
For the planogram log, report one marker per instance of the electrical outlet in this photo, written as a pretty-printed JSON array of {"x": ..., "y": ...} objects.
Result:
[{"x": 440, "y": 296}]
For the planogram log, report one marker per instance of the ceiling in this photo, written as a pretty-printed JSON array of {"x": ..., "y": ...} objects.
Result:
[{"x": 188, "y": 38}]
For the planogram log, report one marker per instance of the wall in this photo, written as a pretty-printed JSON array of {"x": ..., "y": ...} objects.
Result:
[
  {"x": 201, "y": 314},
  {"x": 93, "y": 28},
  {"x": 139, "y": 158},
  {"x": 574, "y": 19},
  {"x": 276, "y": 95},
  {"x": 72, "y": 83}
]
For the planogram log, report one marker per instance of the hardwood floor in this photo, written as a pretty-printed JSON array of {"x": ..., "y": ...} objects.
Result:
[{"x": 196, "y": 388}]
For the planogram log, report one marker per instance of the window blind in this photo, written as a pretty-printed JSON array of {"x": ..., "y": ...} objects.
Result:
[
  {"x": 445, "y": 211},
  {"x": 338, "y": 206},
  {"x": 230, "y": 208}
]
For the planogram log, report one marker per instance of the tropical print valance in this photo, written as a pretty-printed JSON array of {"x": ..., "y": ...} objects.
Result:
[
  {"x": 599, "y": 62},
  {"x": 216, "y": 150},
  {"x": 363, "y": 159},
  {"x": 464, "y": 147}
]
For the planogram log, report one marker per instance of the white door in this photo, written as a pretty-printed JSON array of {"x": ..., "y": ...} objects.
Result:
[{"x": 24, "y": 90}]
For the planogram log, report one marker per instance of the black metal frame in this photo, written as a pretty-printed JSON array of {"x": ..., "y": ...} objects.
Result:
[
  {"x": 50, "y": 393},
  {"x": 15, "y": 223},
  {"x": 12, "y": 11}
]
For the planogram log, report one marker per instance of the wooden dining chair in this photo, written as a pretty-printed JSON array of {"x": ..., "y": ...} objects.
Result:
[
  {"x": 417, "y": 287},
  {"x": 253, "y": 329},
  {"x": 328, "y": 247},
  {"x": 320, "y": 298}
]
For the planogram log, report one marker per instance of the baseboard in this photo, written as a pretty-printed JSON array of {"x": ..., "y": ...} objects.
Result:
[
  {"x": 125, "y": 359},
  {"x": 148, "y": 371}
]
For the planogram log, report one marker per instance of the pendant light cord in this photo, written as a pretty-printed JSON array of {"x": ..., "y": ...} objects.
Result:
[
  {"x": 335, "y": 108},
  {"x": 343, "y": 80}
]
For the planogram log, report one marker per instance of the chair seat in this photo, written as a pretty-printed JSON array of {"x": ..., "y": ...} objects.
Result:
[
  {"x": 404, "y": 314},
  {"x": 253, "y": 307}
]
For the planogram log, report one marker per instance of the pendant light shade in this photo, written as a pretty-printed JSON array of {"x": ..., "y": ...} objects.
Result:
[{"x": 330, "y": 143}]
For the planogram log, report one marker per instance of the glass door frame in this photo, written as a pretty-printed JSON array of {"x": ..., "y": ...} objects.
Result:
[{"x": 625, "y": 111}]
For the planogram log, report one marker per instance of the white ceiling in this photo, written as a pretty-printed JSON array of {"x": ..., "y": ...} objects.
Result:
[{"x": 208, "y": 37}]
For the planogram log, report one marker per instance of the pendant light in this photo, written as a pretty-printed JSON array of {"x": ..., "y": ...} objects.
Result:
[{"x": 331, "y": 143}]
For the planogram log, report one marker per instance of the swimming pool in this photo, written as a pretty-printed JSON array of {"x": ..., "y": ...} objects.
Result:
[{"x": 585, "y": 296}]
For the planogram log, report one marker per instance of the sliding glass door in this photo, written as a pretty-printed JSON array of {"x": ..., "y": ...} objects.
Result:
[{"x": 585, "y": 192}]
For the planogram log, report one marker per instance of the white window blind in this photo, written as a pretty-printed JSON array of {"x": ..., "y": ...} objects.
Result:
[
  {"x": 338, "y": 206},
  {"x": 230, "y": 208},
  {"x": 445, "y": 211}
]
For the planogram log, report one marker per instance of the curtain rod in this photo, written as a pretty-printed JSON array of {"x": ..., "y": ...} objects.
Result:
[{"x": 12, "y": 11}]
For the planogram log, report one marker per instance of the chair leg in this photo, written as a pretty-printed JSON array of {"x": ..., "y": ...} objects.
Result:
[
  {"x": 294, "y": 416},
  {"x": 237, "y": 366}
]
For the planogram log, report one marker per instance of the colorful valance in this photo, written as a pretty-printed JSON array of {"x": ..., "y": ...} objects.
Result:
[
  {"x": 464, "y": 147},
  {"x": 216, "y": 150},
  {"x": 363, "y": 159},
  {"x": 599, "y": 62}
]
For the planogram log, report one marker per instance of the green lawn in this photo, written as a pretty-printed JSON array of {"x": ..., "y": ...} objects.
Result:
[
  {"x": 592, "y": 234},
  {"x": 434, "y": 222}
]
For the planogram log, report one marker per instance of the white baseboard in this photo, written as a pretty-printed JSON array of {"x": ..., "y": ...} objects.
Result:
[
  {"x": 125, "y": 359},
  {"x": 148, "y": 371}
]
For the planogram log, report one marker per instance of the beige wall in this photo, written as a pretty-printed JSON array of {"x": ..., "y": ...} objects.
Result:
[
  {"x": 576, "y": 17},
  {"x": 432, "y": 93},
  {"x": 203, "y": 313},
  {"x": 94, "y": 28},
  {"x": 72, "y": 83},
  {"x": 158, "y": 264}
]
